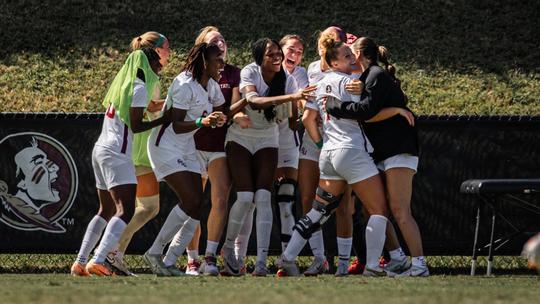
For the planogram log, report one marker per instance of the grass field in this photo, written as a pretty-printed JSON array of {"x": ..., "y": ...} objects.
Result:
[
  {"x": 62, "y": 288},
  {"x": 453, "y": 56}
]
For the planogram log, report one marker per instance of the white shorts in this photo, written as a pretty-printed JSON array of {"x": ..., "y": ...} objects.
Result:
[
  {"x": 399, "y": 161},
  {"x": 252, "y": 144},
  {"x": 205, "y": 158},
  {"x": 308, "y": 149},
  {"x": 112, "y": 169},
  {"x": 166, "y": 162},
  {"x": 351, "y": 165},
  {"x": 288, "y": 158}
]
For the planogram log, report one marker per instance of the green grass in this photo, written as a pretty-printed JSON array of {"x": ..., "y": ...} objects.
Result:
[
  {"x": 453, "y": 56},
  {"x": 61, "y": 288}
]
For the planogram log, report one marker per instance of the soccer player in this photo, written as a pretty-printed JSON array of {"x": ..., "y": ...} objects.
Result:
[
  {"x": 196, "y": 102},
  {"x": 126, "y": 101},
  {"x": 395, "y": 145},
  {"x": 344, "y": 159},
  {"x": 147, "y": 186},
  {"x": 309, "y": 176},
  {"x": 210, "y": 143},
  {"x": 252, "y": 152}
]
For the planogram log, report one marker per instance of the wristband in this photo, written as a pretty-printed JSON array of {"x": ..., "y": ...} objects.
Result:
[
  {"x": 319, "y": 144},
  {"x": 198, "y": 122}
]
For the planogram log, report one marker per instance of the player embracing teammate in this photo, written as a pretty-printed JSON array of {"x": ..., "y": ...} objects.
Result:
[{"x": 261, "y": 147}]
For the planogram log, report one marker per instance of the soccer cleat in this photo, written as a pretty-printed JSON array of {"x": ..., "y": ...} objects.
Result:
[
  {"x": 79, "y": 270},
  {"x": 356, "y": 267},
  {"x": 117, "y": 265},
  {"x": 318, "y": 266},
  {"x": 231, "y": 267},
  {"x": 342, "y": 268},
  {"x": 287, "y": 268},
  {"x": 260, "y": 269},
  {"x": 209, "y": 266},
  {"x": 414, "y": 271},
  {"x": 396, "y": 266},
  {"x": 378, "y": 272},
  {"x": 174, "y": 271},
  {"x": 156, "y": 264},
  {"x": 192, "y": 268},
  {"x": 98, "y": 269}
]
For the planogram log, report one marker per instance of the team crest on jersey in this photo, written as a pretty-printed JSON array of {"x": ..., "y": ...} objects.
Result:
[
  {"x": 328, "y": 89},
  {"x": 38, "y": 182}
]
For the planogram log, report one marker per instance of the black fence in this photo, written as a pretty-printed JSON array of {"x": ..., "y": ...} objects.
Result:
[{"x": 48, "y": 195}]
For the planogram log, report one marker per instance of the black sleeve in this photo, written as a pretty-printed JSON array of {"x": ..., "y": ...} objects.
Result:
[{"x": 370, "y": 102}]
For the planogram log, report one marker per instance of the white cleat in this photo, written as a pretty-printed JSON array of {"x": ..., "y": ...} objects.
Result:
[
  {"x": 231, "y": 266},
  {"x": 118, "y": 266},
  {"x": 260, "y": 269},
  {"x": 375, "y": 272},
  {"x": 318, "y": 266},
  {"x": 209, "y": 266},
  {"x": 395, "y": 266},
  {"x": 342, "y": 268},
  {"x": 192, "y": 268},
  {"x": 414, "y": 271},
  {"x": 156, "y": 264},
  {"x": 287, "y": 268}
]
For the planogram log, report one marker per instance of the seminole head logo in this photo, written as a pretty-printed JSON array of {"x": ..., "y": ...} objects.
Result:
[{"x": 38, "y": 182}]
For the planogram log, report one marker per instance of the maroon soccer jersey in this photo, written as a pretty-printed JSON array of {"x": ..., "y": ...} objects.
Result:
[{"x": 213, "y": 140}]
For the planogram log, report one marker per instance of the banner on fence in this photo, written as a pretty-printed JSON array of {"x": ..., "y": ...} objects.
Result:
[{"x": 48, "y": 194}]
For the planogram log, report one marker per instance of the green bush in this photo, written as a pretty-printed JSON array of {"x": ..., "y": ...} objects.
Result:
[{"x": 454, "y": 57}]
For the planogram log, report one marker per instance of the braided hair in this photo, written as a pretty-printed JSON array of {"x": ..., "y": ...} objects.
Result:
[
  {"x": 277, "y": 85},
  {"x": 196, "y": 59}
]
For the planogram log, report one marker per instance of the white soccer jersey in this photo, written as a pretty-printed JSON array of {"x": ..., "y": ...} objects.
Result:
[
  {"x": 186, "y": 93},
  {"x": 115, "y": 134},
  {"x": 260, "y": 126},
  {"x": 339, "y": 133},
  {"x": 301, "y": 76}
]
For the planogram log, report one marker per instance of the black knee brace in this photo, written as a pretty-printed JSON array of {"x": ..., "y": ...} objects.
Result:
[
  {"x": 326, "y": 209},
  {"x": 286, "y": 197},
  {"x": 306, "y": 227}
]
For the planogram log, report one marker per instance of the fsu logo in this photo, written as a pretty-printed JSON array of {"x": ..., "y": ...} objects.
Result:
[{"x": 38, "y": 182}]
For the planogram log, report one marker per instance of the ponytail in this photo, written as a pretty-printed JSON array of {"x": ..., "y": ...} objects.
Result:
[
  {"x": 383, "y": 55},
  {"x": 148, "y": 40},
  {"x": 329, "y": 47}
]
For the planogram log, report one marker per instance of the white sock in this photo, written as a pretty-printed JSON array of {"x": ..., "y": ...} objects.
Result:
[
  {"x": 242, "y": 240},
  {"x": 419, "y": 261},
  {"x": 285, "y": 213},
  {"x": 111, "y": 236},
  {"x": 91, "y": 237},
  {"x": 263, "y": 201},
  {"x": 243, "y": 202},
  {"x": 297, "y": 241},
  {"x": 211, "y": 248},
  {"x": 397, "y": 254},
  {"x": 344, "y": 248},
  {"x": 287, "y": 223},
  {"x": 375, "y": 236},
  {"x": 192, "y": 255},
  {"x": 316, "y": 242},
  {"x": 172, "y": 224},
  {"x": 180, "y": 242}
]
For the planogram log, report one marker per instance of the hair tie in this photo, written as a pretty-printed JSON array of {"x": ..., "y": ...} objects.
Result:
[
  {"x": 139, "y": 38},
  {"x": 160, "y": 41}
]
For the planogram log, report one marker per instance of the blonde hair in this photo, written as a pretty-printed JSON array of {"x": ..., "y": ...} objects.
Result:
[
  {"x": 330, "y": 46},
  {"x": 148, "y": 40},
  {"x": 203, "y": 32}
]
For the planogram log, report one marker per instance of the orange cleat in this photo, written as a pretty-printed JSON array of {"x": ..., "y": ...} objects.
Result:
[
  {"x": 79, "y": 270},
  {"x": 98, "y": 269}
]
